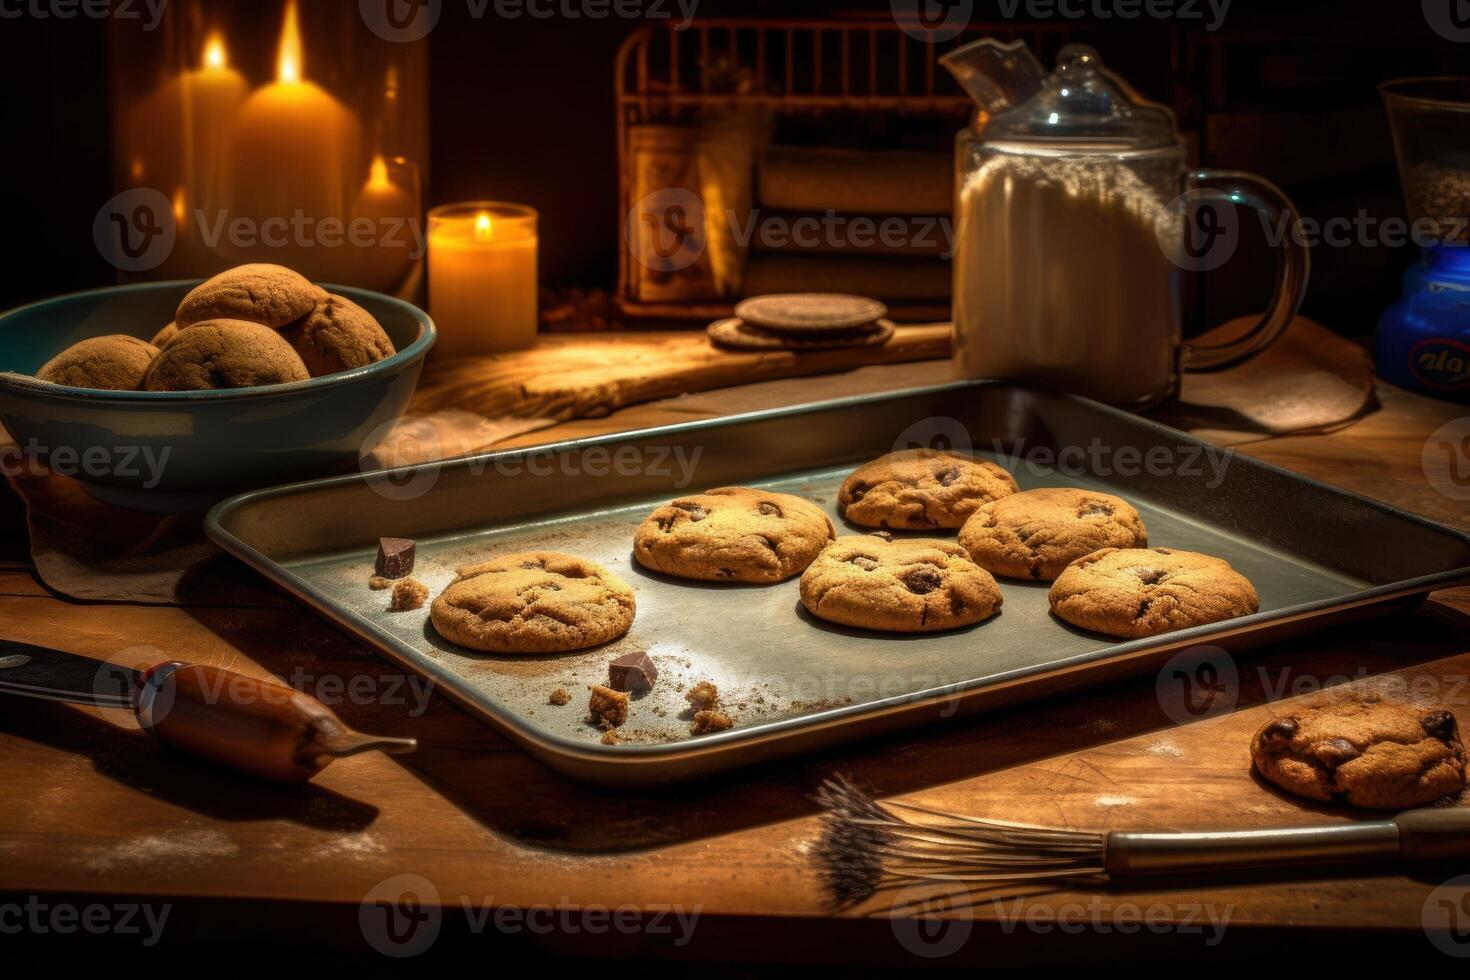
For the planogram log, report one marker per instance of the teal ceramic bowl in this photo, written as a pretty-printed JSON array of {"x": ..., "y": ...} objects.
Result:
[{"x": 166, "y": 450}]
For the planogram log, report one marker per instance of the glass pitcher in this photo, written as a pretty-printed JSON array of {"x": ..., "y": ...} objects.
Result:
[{"x": 1076, "y": 218}]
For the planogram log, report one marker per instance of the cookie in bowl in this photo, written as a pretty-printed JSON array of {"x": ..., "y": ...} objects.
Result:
[
  {"x": 338, "y": 335},
  {"x": 270, "y": 295},
  {"x": 225, "y": 354},
  {"x": 921, "y": 490},
  {"x": 114, "y": 363},
  {"x": 733, "y": 534}
]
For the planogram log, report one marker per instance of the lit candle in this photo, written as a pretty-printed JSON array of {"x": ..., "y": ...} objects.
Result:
[
  {"x": 295, "y": 148},
  {"x": 179, "y": 136},
  {"x": 482, "y": 278},
  {"x": 392, "y": 212}
]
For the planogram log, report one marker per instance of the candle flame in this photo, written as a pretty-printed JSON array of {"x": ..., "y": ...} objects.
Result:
[
  {"x": 288, "y": 63},
  {"x": 378, "y": 174},
  {"x": 215, "y": 55},
  {"x": 180, "y": 206},
  {"x": 482, "y": 227}
]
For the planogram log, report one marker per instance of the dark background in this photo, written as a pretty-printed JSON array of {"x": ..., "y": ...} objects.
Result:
[{"x": 523, "y": 110}]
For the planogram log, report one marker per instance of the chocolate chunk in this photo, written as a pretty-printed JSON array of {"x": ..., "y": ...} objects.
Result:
[
  {"x": 1440, "y": 725},
  {"x": 632, "y": 672},
  {"x": 395, "y": 557},
  {"x": 922, "y": 581},
  {"x": 1279, "y": 733},
  {"x": 885, "y": 535},
  {"x": 1333, "y": 752}
]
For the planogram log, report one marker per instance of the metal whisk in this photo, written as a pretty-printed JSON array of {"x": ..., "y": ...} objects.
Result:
[{"x": 867, "y": 846}]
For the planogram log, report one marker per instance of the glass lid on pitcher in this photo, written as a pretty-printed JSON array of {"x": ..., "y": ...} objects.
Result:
[{"x": 1082, "y": 102}]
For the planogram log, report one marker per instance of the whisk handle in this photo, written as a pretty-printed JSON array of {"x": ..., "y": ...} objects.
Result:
[{"x": 1417, "y": 835}]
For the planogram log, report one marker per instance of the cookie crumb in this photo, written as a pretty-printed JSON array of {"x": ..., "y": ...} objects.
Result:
[
  {"x": 703, "y": 696},
  {"x": 606, "y": 708},
  {"x": 409, "y": 594},
  {"x": 559, "y": 697},
  {"x": 378, "y": 583},
  {"x": 610, "y": 737},
  {"x": 709, "y": 722}
]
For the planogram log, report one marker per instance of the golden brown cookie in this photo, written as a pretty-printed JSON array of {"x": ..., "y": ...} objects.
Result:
[
  {"x": 270, "y": 295},
  {"x": 921, "y": 489},
  {"x": 910, "y": 585},
  {"x": 1370, "y": 753},
  {"x": 739, "y": 335},
  {"x": 1038, "y": 533},
  {"x": 1146, "y": 591},
  {"x": 224, "y": 354},
  {"x": 810, "y": 312},
  {"x": 115, "y": 363},
  {"x": 161, "y": 339},
  {"x": 533, "y": 602},
  {"x": 733, "y": 534},
  {"x": 338, "y": 335}
]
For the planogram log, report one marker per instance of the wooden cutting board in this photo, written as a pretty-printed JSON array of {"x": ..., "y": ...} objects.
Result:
[{"x": 588, "y": 376}]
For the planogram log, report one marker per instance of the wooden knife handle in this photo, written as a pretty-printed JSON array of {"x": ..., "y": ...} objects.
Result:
[{"x": 252, "y": 725}]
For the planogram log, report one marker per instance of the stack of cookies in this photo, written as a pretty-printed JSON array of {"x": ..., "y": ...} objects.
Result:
[
  {"x": 804, "y": 322},
  {"x": 252, "y": 326}
]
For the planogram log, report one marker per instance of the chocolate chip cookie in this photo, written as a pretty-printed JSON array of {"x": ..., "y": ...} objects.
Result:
[
  {"x": 224, "y": 354},
  {"x": 912, "y": 585},
  {"x": 533, "y": 602},
  {"x": 733, "y": 534},
  {"x": 1038, "y": 533},
  {"x": 1140, "y": 592},
  {"x": 921, "y": 490},
  {"x": 115, "y": 363},
  {"x": 338, "y": 335},
  {"x": 270, "y": 295},
  {"x": 1376, "y": 754}
]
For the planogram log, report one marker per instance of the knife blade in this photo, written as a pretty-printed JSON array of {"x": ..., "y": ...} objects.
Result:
[{"x": 54, "y": 675}]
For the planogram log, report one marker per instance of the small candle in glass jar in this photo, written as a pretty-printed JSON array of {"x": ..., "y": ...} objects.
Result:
[{"x": 482, "y": 277}]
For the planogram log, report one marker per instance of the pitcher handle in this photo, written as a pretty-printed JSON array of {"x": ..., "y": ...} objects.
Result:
[{"x": 1293, "y": 269}]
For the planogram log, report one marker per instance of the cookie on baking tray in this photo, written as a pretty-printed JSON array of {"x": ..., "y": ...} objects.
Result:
[
  {"x": 533, "y": 602},
  {"x": 1366, "y": 753},
  {"x": 910, "y": 585},
  {"x": 733, "y": 534},
  {"x": 921, "y": 489},
  {"x": 1038, "y": 533},
  {"x": 1137, "y": 592},
  {"x": 810, "y": 312}
]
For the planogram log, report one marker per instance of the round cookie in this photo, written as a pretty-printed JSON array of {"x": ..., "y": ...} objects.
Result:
[
  {"x": 1375, "y": 754},
  {"x": 1139, "y": 592},
  {"x": 910, "y": 585},
  {"x": 533, "y": 602},
  {"x": 224, "y": 354},
  {"x": 733, "y": 534},
  {"x": 338, "y": 335},
  {"x": 803, "y": 312},
  {"x": 1038, "y": 533},
  {"x": 161, "y": 339},
  {"x": 115, "y": 363},
  {"x": 921, "y": 489},
  {"x": 270, "y": 295},
  {"x": 740, "y": 335}
]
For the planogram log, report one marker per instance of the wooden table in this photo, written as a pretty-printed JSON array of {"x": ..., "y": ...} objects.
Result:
[{"x": 89, "y": 807}]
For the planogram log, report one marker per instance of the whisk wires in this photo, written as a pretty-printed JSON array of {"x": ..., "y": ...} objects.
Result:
[{"x": 867, "y": 846}]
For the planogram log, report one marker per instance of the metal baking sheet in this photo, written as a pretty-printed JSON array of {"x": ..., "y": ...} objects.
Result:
[{"x": 794, "y": 683}]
